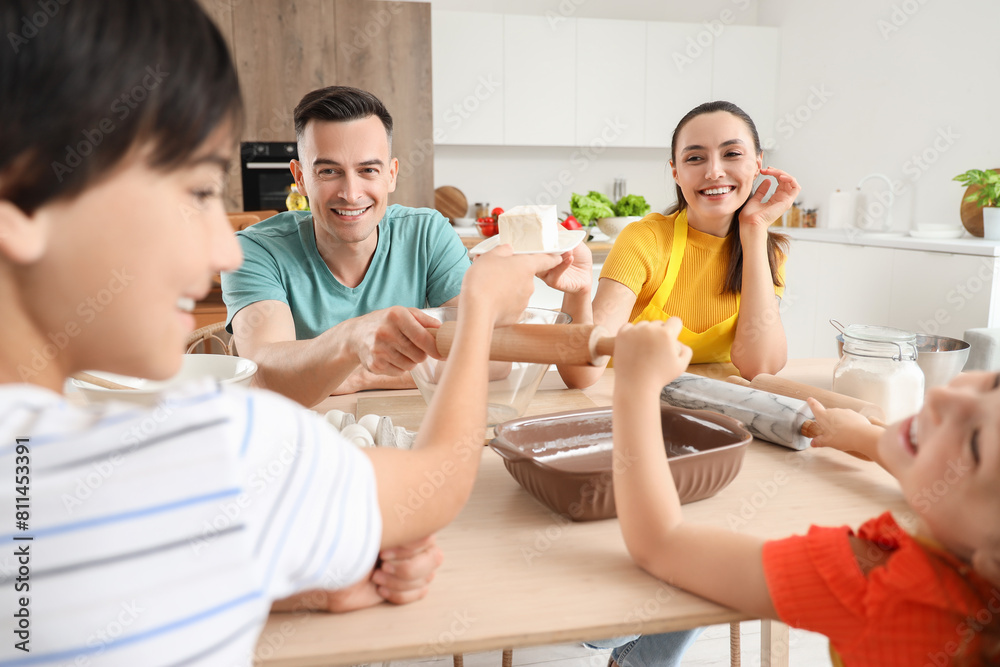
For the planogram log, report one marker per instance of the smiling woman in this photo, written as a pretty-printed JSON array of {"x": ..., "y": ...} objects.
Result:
[{"x": 711, "y": 261}]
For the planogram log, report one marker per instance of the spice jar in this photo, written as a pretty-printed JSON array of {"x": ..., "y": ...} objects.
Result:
[
  {"x": 879, "y": 365},
  {"x": 482, "y": 210}
]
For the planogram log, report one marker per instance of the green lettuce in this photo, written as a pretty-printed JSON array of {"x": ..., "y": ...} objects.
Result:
[
  {"x": 632, "y": 205},
  {"x": 587, "y": 208},
  {"x": 604, "y": 199}
]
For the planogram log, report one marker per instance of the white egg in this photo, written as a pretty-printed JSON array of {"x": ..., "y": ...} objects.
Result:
[
  {"x": 370, "y": 422},
  {"x": 358, "y": 434},
  {"x": 336, "y": 417}
]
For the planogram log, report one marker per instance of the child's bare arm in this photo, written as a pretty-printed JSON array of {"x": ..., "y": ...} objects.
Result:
[
  {"x": 717, "y": 564},
  {"x": 449, "y": 444},
  {"x": 845, "y": 430}
]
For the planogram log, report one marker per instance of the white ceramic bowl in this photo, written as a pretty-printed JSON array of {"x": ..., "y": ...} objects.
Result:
[
  {"x": 235, "y": 371},
  {"x": 511, "y": 385},
  {"x": 613, "y": 226},
  {"x": 463, "y": 222}
]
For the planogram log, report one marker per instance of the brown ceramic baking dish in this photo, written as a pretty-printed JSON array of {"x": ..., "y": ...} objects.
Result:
[{"x": 564, "y": 459}]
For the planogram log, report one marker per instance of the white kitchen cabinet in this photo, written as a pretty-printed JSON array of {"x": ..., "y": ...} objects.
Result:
[
  {"x": 539, "y": 59},
  {"x": 675, "y": 82},
  {"x": 942, "y": 293},
  {"x": 530, "y": 81},
  {"x": 468, "y": 74},
  {"x": 610, "y": 82},
  {"x": 911, "y": 288},
  {"x": 745, "y": 72}
]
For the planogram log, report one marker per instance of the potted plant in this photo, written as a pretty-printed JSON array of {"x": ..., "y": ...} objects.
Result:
[{"x": 984, "y": 191}]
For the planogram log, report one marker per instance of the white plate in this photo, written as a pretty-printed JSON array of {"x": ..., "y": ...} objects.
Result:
[
  {"x": 568, "y": 239},
  {"x": 936, "y": 233}
]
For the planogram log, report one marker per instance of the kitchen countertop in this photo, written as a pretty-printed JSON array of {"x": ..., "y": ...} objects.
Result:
[{"x": 964, "y": 245}]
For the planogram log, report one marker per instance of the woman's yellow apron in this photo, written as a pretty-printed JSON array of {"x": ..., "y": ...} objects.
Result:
[{"x": 714, "y": 344}]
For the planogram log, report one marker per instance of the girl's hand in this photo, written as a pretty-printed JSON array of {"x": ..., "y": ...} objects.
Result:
[
  {"x": 843, "y": 429},
  {"x": 648, "y": 353},
  {"x": 758, "y": 215}
]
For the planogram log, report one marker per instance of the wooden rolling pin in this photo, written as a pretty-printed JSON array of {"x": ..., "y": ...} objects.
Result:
[
  {"x": 829, "y": 399},
  {"x": 570, "y": 344}
]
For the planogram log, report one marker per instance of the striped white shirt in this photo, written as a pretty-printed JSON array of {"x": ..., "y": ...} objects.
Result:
[{"x": 161, "y": 537}]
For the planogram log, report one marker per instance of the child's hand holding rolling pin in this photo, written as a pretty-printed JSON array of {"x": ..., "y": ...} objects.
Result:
[
  {"x": 845, "y": 430},
  {"x": 648, "y": 356}
]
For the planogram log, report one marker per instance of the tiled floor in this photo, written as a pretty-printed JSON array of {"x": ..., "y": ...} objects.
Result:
[{"x": 711, "y": 650}]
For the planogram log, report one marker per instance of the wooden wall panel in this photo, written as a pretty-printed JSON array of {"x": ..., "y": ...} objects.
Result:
[
  {"x": 385, "y": 47},
  {"x": 221, "y": 12},
  {"x": 283, "y": 50}
]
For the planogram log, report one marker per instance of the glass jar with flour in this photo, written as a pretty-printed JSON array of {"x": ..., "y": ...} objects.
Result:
[{"x": 879, "y": 365}]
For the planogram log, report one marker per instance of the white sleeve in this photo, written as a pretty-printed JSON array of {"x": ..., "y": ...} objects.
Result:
[{"x": 314, "y": 518}]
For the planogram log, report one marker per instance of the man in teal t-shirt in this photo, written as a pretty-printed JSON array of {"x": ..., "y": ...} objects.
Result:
[{"x": 328, "y": 301}]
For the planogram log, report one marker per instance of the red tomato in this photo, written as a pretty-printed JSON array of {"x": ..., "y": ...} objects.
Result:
[
  {"x": 487, "y": 226},
  {"x": 496, "y": 212},
  {"x": 571, "y": 223}
]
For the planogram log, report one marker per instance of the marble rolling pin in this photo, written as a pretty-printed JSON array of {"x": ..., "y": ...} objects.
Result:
[
  {"x": 778, "y": 419},
  {"x": 828, "y": 399},
  {"x": 570, "y": 344}
]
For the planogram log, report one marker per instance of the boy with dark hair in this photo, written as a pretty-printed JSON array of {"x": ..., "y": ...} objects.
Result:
[{"x": 118, "y": 120}]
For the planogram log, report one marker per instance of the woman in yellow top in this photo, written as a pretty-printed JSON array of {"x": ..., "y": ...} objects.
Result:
[{"x": 712, "y": 262}]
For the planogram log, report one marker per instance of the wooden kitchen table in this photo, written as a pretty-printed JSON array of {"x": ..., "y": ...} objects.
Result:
[{"x": 517, "y": 574}]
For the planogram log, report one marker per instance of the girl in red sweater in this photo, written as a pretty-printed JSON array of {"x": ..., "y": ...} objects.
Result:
[{"x": 882, "y": 596}]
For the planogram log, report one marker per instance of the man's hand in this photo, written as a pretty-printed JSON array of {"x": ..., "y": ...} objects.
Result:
[
  {"x": 393, "y": 340},
  {"x": 404, "y": 576}
]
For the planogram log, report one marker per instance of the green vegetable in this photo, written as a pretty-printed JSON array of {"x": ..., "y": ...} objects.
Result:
[
  {"x": 587, "y": 208},
  {"x": 632, "y": 205},
  {"x": 604, "y": 199}
]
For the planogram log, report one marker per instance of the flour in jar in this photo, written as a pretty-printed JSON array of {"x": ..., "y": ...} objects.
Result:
[{"x": 896, "y": 388}]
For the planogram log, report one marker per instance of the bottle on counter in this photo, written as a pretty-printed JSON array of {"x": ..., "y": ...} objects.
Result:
[
  {"x": 296, "y": 201},
  {"x": 482, "y": 210},
  {"x": 880, "y": 366},
  {"x": 794, "y": 216},
  {"x": 809, "y": 217}
]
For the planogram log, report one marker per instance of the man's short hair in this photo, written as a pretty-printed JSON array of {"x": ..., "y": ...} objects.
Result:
[{"x": 341, "y": 104}]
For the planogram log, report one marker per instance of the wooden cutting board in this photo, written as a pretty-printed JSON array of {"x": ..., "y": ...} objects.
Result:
[
  {"x": 408, "y": 411},
  {"x": 450, "y": 202}
]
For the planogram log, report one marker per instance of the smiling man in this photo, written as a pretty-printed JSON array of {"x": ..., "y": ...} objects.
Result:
[{"x": 327, "y": 300}]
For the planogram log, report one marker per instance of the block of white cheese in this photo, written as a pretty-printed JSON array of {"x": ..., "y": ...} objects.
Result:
[{"x": 530, "y": 228}]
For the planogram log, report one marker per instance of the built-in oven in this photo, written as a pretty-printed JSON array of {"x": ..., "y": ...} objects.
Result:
[{"x": 266, "y": 176}]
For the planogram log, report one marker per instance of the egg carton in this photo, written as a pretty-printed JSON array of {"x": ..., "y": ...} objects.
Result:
[{"x": 371, "y": 430}]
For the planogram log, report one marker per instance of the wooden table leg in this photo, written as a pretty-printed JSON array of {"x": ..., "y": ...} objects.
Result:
[
  {"x": 773, "y": 644},
  {"x": 734, "y": 644}
]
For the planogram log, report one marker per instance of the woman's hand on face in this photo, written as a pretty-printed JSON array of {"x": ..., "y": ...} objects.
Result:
[{"x": 758, "y": 215}]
